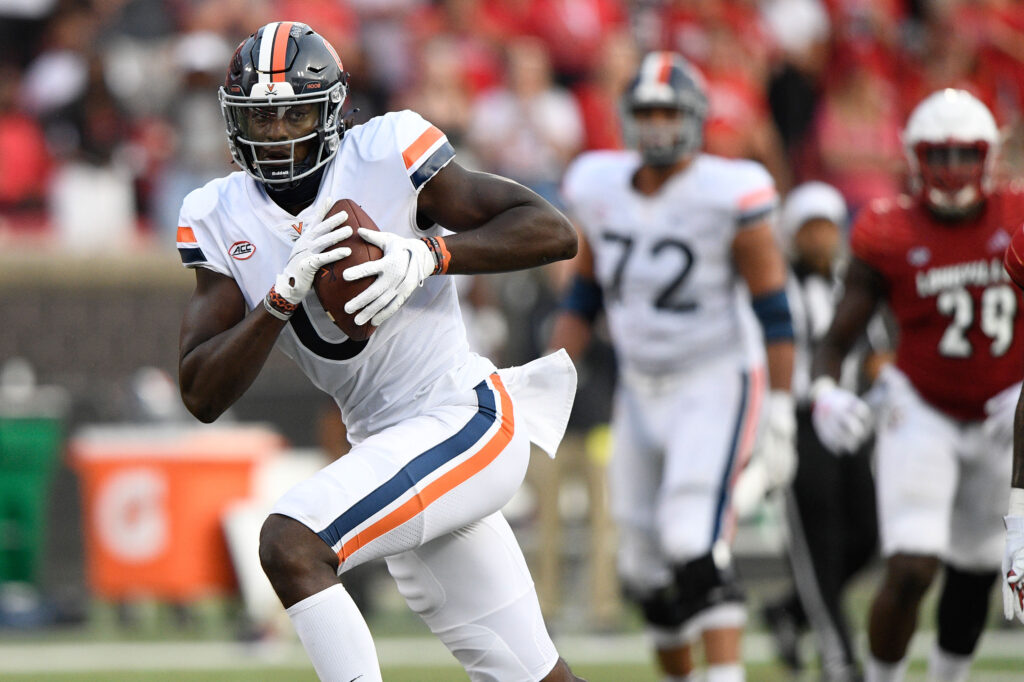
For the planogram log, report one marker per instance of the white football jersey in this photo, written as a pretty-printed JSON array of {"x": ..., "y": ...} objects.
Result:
[
  {"x": 419, "y": 357},
  {"x": 664, "y": 262}
]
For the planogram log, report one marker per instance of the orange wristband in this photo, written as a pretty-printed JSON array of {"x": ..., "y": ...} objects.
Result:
[
  {"x": 442, "y": 257},
  {"x": 277, "y": 306}
]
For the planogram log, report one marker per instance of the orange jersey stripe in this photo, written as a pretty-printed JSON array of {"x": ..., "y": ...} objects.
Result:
[
  {"x": 443, "y": 484},
  {"x": 186, "y": 235},
  {"x": 757, "y": 196},
  {"x": 414, "y": 151},
  {"x": 746, "y": 446},
  {"x": 280, "y": 52}
]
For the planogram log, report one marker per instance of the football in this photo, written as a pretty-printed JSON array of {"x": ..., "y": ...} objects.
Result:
[{"x": 333, "y": 290}]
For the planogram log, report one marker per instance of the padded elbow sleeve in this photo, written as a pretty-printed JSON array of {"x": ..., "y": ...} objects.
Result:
[
  {"x": 772, "y": 312},
  {"x": 583, "y": 298}
]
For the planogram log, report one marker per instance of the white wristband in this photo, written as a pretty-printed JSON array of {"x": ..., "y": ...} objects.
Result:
[
  {"x": 783, "y": 398},
  {"x": 1016, "y": 502},
  {"x": 820, "y": 385}
]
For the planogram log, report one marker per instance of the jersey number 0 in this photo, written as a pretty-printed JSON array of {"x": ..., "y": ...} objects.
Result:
[{"x": 304, "y": 330}]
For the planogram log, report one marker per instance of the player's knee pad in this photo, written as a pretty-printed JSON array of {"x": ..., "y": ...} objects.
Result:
[
  {"x": 696, "y": 586},
  {"x": 661, "y": 608},
  {"x": 704, "y": 583},
  {"x": 963, "y": 609}
]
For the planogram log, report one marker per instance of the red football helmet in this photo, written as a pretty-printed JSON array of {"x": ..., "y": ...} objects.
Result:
[{"x": 951, "y": 143}]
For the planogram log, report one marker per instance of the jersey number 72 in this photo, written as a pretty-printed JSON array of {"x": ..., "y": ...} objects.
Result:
[{"x": 666, "y": 297}]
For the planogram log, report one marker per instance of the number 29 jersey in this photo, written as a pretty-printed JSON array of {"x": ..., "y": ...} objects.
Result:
[
  {"x": 419, "y": 357},
  {"x": 959, "y": 316},
  {"x": 664, "y": 262}
]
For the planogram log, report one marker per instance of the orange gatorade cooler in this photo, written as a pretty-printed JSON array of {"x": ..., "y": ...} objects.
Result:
[{"x": 153, "y": 500}]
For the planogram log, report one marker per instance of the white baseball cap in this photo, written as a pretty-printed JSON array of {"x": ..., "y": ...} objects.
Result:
[{"x": 808, "y": 201}]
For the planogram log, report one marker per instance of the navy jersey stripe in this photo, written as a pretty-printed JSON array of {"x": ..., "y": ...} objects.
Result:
[
  {"x": 436, "y": 162},
  {"x": 420, "y": 467},
  {"x": 191, "y": 255},
  {"x": 734, "y": 446},
  {"x": 756, "y": 215}
]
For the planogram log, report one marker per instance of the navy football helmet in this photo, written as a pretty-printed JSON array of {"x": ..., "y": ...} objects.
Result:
[
  {"x": 665, "y": 80},
  {"x": 278, "y": 72}
]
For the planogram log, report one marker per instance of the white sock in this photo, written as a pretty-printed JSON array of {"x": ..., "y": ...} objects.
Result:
[
  {"x": 879, "y": 671},
  {"x": 946, "y": 667},
  {"x": 335, "y": 636},
  {"x": 725, "y": 672}
]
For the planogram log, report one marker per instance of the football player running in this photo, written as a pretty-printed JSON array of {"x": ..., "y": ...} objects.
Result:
[
  {"x": 440, "y": 438},
  {"x": 946, "y": 405},
  {"x": 1013, "y": 556},
  {"x": 670, "y": 235}
]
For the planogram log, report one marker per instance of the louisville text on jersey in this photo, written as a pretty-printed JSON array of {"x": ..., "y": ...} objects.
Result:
[{"x": 976, "y": 273}]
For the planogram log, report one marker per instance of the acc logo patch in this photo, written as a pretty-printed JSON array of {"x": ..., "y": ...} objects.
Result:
[{"x": 242, "y": 250}]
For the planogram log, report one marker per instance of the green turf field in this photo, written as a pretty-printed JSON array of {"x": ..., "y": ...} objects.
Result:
[
  {"x": 159, "y": 647},
  {"x": 608, "y": 673},
  {"x": 984, "y": 671}
]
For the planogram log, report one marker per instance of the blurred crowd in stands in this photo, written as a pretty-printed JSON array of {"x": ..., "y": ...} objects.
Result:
[{"x": 109, "y": 114}]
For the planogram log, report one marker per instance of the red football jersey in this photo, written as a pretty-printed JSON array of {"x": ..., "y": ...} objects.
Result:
[{"x": 960, "y": 318}]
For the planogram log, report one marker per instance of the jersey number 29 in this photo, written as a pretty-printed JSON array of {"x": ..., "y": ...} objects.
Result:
[{"x": 998, "y": 310}]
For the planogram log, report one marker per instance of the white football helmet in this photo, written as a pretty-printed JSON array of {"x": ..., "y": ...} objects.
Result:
[{"x": 951, "y": 142}]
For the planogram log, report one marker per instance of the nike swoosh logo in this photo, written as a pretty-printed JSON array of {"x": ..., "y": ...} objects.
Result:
[{"x": 355, "y": 678}]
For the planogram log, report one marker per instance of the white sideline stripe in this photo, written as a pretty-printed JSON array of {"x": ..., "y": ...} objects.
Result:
[{"x": 420, "y": 652}]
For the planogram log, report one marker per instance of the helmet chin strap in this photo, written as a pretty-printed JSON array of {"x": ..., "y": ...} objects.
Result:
[{"x": 296, "y": 193}]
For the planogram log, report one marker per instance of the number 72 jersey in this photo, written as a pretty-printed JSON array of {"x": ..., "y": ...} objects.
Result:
[
  {"x": 959, "y": 316},
  {"x": 664, "y": 262}
]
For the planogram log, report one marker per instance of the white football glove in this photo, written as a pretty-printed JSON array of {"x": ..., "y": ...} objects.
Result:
[
  {"x": 308, "y": 254},
  {"x": 776, "y": 447},
  {"x": 403, "y": 267},
  {"x": 1013, "y": 568},
  {"x": 1000, "y": 410},
  {"x": 842, "y": 421}
]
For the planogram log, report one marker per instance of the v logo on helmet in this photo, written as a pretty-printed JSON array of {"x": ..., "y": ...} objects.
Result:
[{"x": 260, "y": 90}]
